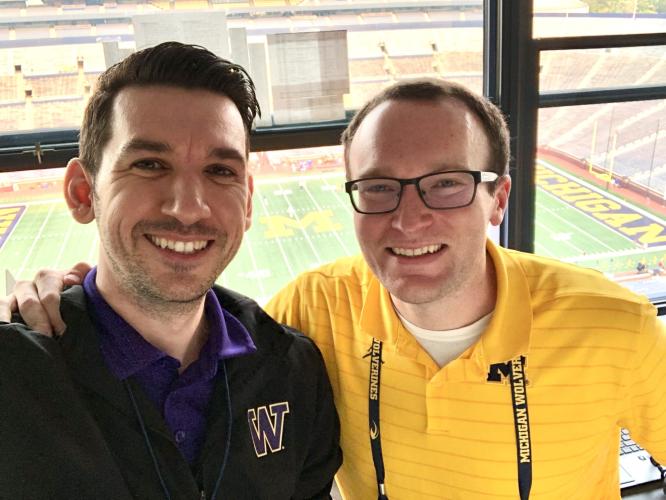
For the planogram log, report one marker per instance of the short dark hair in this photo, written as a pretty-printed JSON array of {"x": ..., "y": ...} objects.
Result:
[
  {"x": 432, "y": 89},
  {"x": 171, "y": 64}
]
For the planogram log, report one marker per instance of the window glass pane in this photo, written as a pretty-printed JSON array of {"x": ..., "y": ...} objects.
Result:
[
  {"x": 554, "y": 18},
  {"x": 301, "y": 219},
  {"x": 584, "y": 69},
  {"x": 601, "y": 188},
  {"x": 312, "y": 62}
]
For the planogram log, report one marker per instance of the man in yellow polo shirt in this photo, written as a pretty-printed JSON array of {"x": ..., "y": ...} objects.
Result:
[{"x": 461, "y": 369}]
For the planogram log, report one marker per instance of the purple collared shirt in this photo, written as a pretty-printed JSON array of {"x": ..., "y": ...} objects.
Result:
[{"x": 181, "y": 399}]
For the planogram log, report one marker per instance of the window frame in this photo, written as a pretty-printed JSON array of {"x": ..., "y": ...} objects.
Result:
[{"x": 510, "y": 80}]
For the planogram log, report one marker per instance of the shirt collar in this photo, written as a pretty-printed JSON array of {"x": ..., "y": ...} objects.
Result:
[
  {"x": 126, "y": 352},
  {"x": 506, "y": 336},
  {"x": 378, "y": 318},
  {"x": 509, "y": 331}
]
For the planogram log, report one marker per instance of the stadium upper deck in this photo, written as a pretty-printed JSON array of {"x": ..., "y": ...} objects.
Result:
[{"x": 50, "y": 58}]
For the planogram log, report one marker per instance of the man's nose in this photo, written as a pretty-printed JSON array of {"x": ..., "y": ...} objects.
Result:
[
  {"x": 412, "y": 215},
  {"x": 186, "y": 201}
]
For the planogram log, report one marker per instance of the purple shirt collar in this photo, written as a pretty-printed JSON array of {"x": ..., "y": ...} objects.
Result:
[{"x": 126, "y": 352}]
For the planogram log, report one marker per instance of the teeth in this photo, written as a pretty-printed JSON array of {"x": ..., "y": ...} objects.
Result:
[
  {"x": 179, "y": 246},
  {"x": 415, "y": 252}
]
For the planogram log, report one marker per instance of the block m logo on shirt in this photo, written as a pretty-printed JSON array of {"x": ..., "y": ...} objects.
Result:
[
  {"x": 504, "y": 372},
  {"x": 499, "y": 371},
  {"x": 266, "y": 427}
]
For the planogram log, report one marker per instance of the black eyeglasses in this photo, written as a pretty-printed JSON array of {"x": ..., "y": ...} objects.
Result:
[{"x": 439, "y": 191}]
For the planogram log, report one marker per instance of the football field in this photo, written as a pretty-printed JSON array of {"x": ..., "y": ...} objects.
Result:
[
  {"x": 299, "y": 223},
  {"x": 562, "y": 231},
  {"x": 578, "y": 222}
]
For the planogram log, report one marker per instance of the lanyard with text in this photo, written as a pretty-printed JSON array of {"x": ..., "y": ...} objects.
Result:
[
  {"x": 521, "y": 422},
  {"x": 375, "y": 354}
]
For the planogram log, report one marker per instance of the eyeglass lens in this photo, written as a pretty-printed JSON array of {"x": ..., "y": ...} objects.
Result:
[{"x": 441, "y": 190}]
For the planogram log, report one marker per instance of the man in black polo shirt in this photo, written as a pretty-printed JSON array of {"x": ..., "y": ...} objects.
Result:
[{"x": 164, "y": 386}]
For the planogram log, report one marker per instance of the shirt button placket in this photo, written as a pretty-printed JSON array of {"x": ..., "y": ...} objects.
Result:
[{"x": 179, "y": 436}]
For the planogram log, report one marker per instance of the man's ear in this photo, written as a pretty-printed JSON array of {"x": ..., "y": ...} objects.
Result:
[
  {"x": 501, "y": 199},
  {"x": 78, "y": 189},
  {"x": 248, "y": 212}
]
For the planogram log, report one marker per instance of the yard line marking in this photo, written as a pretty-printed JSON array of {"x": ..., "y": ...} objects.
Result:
[
  {"x": 34, "y": 240},
  {"x": 344, "y": 203},
  {"x": 32, "y": 202},
  {"x": 258, "y": 181},
  {"x": 337, "y": 236},
  {"x": 303, "y": 230},
  {"x": 292, "y": 274},
  {"x": 596, "y": 189},
  {"x": 262, "y": 288},
  {"x": 569, "y": 223},
  {"x": 540, "y": 249},
  {"x": 58, "y": 258},
  {"x": 619, "y": 253},
  {"x": 16, "y": 226},
  {"x": 550, "y": 232}
]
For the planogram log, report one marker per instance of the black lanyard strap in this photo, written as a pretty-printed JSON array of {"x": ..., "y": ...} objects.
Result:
[
  {"x": 521, "y": 422},
  {"x": 375, "y": 354}
]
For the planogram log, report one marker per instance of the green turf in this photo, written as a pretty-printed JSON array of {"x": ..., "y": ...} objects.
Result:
[
  {"x": 321, "y": 231},
  {"x": 46, "y": 236},
  {"x": 562, "y": 231},
  {"x": 300, "y": 224},
  {"x": 281, "y": 243}
]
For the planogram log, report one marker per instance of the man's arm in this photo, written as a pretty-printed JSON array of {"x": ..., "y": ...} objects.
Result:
[
  {"x": 7, "y": 305},
  {"x": 38, "y": 301}
]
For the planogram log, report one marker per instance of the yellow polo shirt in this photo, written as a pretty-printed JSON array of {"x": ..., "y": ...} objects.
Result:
[{"x": 595, "y": 361}]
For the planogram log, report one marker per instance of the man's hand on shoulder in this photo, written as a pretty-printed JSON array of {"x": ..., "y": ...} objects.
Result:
[
  {"x": 38, "y": 301},
  {"x": 7, "y": 305}
]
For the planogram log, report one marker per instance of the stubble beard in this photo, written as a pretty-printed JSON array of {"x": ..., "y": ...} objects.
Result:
[
  {"x": 155, "y": 298},
  {"x": 455, "y": 283},
  {"x": 418, "y": 294},
  {"x": 132, "y": 276}
]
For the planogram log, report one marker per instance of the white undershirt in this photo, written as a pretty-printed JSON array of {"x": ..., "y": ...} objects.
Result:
[{"x": 446, "y": 345}]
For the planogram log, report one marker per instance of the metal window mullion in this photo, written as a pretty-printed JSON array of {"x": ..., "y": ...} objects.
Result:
[
  {"x": 514, "y": 88},
  {"x": 600, "y": 41},
  {"x": 552, "y": 99}
]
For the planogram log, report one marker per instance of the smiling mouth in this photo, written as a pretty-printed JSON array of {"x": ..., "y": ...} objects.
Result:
[
  {"x": 416, "y": 252},
  {"x": 185, "y": 247}
]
